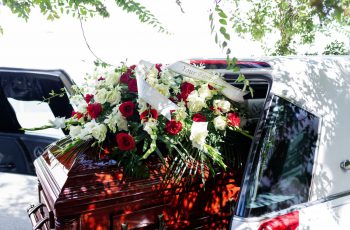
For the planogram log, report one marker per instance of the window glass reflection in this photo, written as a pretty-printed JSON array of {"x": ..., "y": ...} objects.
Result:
[{"x": 283, "y": 163}]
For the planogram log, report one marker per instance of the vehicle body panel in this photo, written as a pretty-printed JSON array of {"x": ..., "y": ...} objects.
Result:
[{"x": 320, "y": 85}]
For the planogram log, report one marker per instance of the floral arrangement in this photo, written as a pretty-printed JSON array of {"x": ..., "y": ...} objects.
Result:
[{"x": 111, "y": 116}]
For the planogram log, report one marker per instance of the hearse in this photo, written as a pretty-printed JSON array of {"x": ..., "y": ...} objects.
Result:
[{"x": 294, "y": 173}]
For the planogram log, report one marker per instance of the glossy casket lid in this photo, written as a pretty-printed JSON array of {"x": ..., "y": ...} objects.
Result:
[{"x": 85, "y": 186}]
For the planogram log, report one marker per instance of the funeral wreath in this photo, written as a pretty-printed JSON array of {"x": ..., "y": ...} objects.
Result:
[{"x": 179, "y": 114}]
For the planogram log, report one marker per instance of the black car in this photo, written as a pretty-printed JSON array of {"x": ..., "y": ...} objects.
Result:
[{"x": 22, "y": 96}]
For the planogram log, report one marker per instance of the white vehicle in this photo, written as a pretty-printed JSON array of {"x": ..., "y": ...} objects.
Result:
[{"x": 297, "y": 174}]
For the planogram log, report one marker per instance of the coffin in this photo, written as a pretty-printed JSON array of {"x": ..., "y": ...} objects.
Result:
[{"x": 88, "y": 194}]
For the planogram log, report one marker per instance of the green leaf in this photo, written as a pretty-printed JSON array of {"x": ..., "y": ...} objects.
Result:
[
  {"x": 240, "y": 78},
  {"x": 251, "y": 91},
  {"x": 222, "y": 14},
  {"x": 223, "y": 21},
  {"x": 224, "y": 44},
  {"x": 222, "y": 30},
  {"x": 227, "y": 36},
  {"x": 234, "y": 61}
]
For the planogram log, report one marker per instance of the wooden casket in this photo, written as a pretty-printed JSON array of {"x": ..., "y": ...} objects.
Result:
[{"x": 90, "y": 194}]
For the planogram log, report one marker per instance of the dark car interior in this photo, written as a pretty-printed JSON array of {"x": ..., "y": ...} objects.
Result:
[{"x": 19, "y": 149}]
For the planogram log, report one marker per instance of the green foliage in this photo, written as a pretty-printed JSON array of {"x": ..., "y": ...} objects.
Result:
[
  {"x": 222, "y": 37},
  {"x": 143, "y": 14},
  {"x": 53, "y": 9},
  {"x": 294, "y": 22},
  {"x": 53, "y": 94},
  {"x": 335, "y": 48}
]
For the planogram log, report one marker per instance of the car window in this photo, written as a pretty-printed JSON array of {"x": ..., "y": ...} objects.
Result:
[
  {"x": 32, "y": 114},
  {"x": 282, "y": 160}
]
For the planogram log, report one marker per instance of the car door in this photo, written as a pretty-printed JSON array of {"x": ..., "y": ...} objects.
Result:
[{"x": 26, "y": 102}]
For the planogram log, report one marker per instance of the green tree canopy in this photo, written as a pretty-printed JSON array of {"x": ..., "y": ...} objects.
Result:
[
  {"x": 82, "y": 9},
  {"x": 294, "y": 21}
]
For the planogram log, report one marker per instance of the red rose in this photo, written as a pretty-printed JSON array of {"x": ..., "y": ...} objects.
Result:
[
  {"x": 132, "y": 67},
  {"x": 199, "y": 118},
  {"x": 127, "y": 108},
  {"x": 173, "y": 127},
  {"x": 158, "y": 67},
  {"x": 149, "y": 113},
  {"x": 173, "y": 99},
  {"x": 186, "y": 89},
  {"x": 132, "y": 85},
  {"x": 125, "y": 78},
  {"x": 211, "y": 87},
  {"x": 100, "y": 78},
  {"x": 88, "y": 97},
  {"x": 125, "y": 142},
  {"x": 94, "y": 110},
  {"x": 79, "y": 115},
  {"x": 233, "y": 119}
]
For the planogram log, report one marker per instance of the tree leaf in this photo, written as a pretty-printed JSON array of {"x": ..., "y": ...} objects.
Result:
[{"x": 223, "y": 21}]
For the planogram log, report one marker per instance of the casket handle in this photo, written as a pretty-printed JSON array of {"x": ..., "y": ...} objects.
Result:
[
  {"x": 161, "y": 222},
  {"x": 40, "y": 223},
  {"x": 34, "y": 208},
  {"x": 125, "y": 226}
]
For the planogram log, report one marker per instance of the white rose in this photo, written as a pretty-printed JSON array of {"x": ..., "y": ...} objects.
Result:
[
  {"x": 122, "y": 123},
  {"x": 150, "y": 126},
  {"x": 113, "y": 97},
  {"x": 198, "y": 134},
  {"x": 74, "y": 131},
  {"x": 99, "y": 132},
  {"x": 112, "y": 78},
  {"x": 142, "y": 105},
  {"x": 58, "y": 123},
  {"x": 85, "y": 133},
  {"x": 205, "y": 92},
  {"x": 153, "y": 72},
  {"x": 101, "y": 96},
  {"x": 76, "y": 100},
  {"x": 111, "y": 122},
  {"x": 180, "y": 114},
  {"x": 163, "y": 89},
  {"x": 225, "y": 106},
  {"x": 195, "y": 102},
  {"x": 220, "y": 123},
  {"x": 82, "y": 107},
  {"x": 167, "y": 77},
  {"x": 90, "y": 125}
]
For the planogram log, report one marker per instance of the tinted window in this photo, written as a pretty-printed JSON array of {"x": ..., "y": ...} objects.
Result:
[{"x": 279, "y": 174}]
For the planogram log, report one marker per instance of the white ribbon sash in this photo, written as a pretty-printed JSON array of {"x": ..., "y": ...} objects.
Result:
[
  {"x": 162, "y": 104},
  {"x": 145, "y": 91},
  {"x": 191, "y": 71}
]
